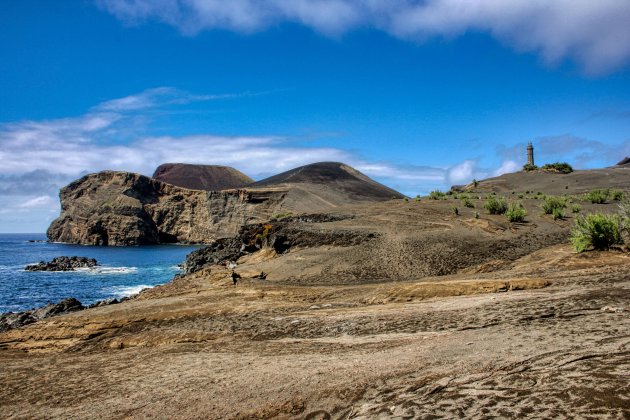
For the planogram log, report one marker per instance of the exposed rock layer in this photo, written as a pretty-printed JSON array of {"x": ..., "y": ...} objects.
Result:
[
  {"x": 122, "y": 208},
  {"x": 279, "y": 235},
  {"x": 201, "y": 177}
]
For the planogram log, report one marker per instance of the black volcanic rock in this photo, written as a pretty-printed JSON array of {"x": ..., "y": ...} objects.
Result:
[
  {"x": 63, "y": 264},
  {"x": 201, "y": 177},
  {"x": 624, "y": 161},
  {"x": 12, "y": 320}
]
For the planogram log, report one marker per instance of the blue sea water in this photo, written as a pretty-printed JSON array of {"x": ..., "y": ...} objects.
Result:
[{"x": 123, "y": 271}]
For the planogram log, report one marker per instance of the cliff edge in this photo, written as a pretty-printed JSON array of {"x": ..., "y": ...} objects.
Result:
[{"x": 123, "y": 208}]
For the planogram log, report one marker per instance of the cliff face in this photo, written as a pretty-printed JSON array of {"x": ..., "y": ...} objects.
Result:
[
  {"x": 122, "y": 208},
  {"x": 201, "y": 177}
]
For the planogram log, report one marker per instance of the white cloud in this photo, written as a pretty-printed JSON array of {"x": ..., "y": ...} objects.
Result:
[
  {"x": 40, "y": 201},
  {"x": 462, "y": 172},
  {"x": 39, "y": 157},
  {"x": 507, "y": 166},
  {"x": 594, "y": 34}
]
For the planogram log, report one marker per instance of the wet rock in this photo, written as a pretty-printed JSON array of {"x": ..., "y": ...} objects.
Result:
[
  {"x": 12, "y": 320},
  {"x": 63, "y": 264}
]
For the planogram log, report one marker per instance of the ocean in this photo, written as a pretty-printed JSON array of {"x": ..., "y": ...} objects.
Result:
[{"x": 123, "y": 271}]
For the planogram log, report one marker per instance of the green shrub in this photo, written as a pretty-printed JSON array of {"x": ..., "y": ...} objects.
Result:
[
  {"x": 552, "y": 203},
  {"x": 521, "y": 196},
  {"x": 406, "y": 199},
  {"x": 496, "y": 205},
  {"x": 558, "y": 213},
  {"x": 467, "y": 203},
  {"x": 417, "y": 198},
  {"x": 516, "y": 212},
  {"x": 437, "y": 195},
  {"x": 455, "y": 210},
  {"x": 597, "y": 196},
  {"x": 616, "y": 195},
  {"x": 475, "y": 183},
  {"x": 597, "y": 231},
  {"x": 576, "y": 208},
  {"x": 528, "y": 167},
  {"x": 476, "y": 215},
  {"x": 562, "y": 167}
]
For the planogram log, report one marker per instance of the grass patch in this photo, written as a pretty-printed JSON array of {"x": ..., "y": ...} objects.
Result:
[
  {"x": 496, "y": 205},
  {"x": 516, "y": 212},
  {"x": 560, "y": 167},
  {"x": 596, "y": 231},
  {"x": 597, "y": 196},
  {"x": 437, "y": 195},
  {"x": 552, "y": 203}
]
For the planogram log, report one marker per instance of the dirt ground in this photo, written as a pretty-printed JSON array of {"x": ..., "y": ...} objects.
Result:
[{"x": 545, "y": 334}]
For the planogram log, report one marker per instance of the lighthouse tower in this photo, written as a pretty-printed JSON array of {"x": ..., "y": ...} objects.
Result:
[{"x": 530, "y": 154}]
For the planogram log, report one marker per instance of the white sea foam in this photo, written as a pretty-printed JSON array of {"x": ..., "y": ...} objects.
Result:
[
  {"x": 108, "y": 270},
  {"x": 123, "y": 291}
]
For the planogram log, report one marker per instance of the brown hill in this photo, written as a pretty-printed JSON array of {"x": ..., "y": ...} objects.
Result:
[
  {"x": 201, "y": 177},
  {"x": 555, "y": 183},
  {"x": 624, "y": 161},
  {"x": 324, "y": 178}
]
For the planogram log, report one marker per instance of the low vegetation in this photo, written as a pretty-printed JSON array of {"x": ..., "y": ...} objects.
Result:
[
  {"x": 560, "y": 167},
  {"x": 554, "y": 205},
  {"x": 437, "y": 195},
  {"x": 602, "y": 231},
  {"x": 516, "y": 212},
  {"x": 496, "y": 205},
  {"x": 528, "y": 167},
  {"x": 597, "y": 196},
  {"x": 597, "y": 231}
]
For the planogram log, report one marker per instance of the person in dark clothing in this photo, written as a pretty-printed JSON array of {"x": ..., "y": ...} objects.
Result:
[{"x": 235, "y": 276}]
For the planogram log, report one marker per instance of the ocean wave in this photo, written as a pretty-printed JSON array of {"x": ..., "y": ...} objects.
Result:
[
  {"x": 124, "y": 291},
  {"x": 108, "y": 270}
]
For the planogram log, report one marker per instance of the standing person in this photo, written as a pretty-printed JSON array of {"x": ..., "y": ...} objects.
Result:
[{"x": 235, "y": 277}]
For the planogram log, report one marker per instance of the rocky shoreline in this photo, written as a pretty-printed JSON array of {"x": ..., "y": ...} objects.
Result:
[
  {"x": 11, "y": 320},
  {"x": 63, "y": 264}
]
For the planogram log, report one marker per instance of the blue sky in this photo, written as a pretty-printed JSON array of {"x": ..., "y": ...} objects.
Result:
[{"x": 417, "y": 94}]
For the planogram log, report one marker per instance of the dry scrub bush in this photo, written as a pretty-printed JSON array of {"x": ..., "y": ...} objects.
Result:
[
  {"x": 516, "y": 212},
  {"x": 597, "y": 231},
  {"x": 496, "y": 205}
]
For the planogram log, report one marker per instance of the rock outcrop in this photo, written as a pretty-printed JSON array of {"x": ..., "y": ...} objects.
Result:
[
  {"x": 122, "y": 208},
  {"x": 63, "y": 264},
  {"x": 279, "y": 235},
  {"x": 15, "y": 320},
  {"x": 201, "y": 177}
]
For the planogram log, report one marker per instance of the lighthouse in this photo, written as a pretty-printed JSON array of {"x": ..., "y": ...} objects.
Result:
[{"x": 530, "y": 154}]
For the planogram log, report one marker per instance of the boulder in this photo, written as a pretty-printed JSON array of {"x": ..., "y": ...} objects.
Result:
[
  {"x": 63, "y": 264},
  {"x": 12, "y": 320}
]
